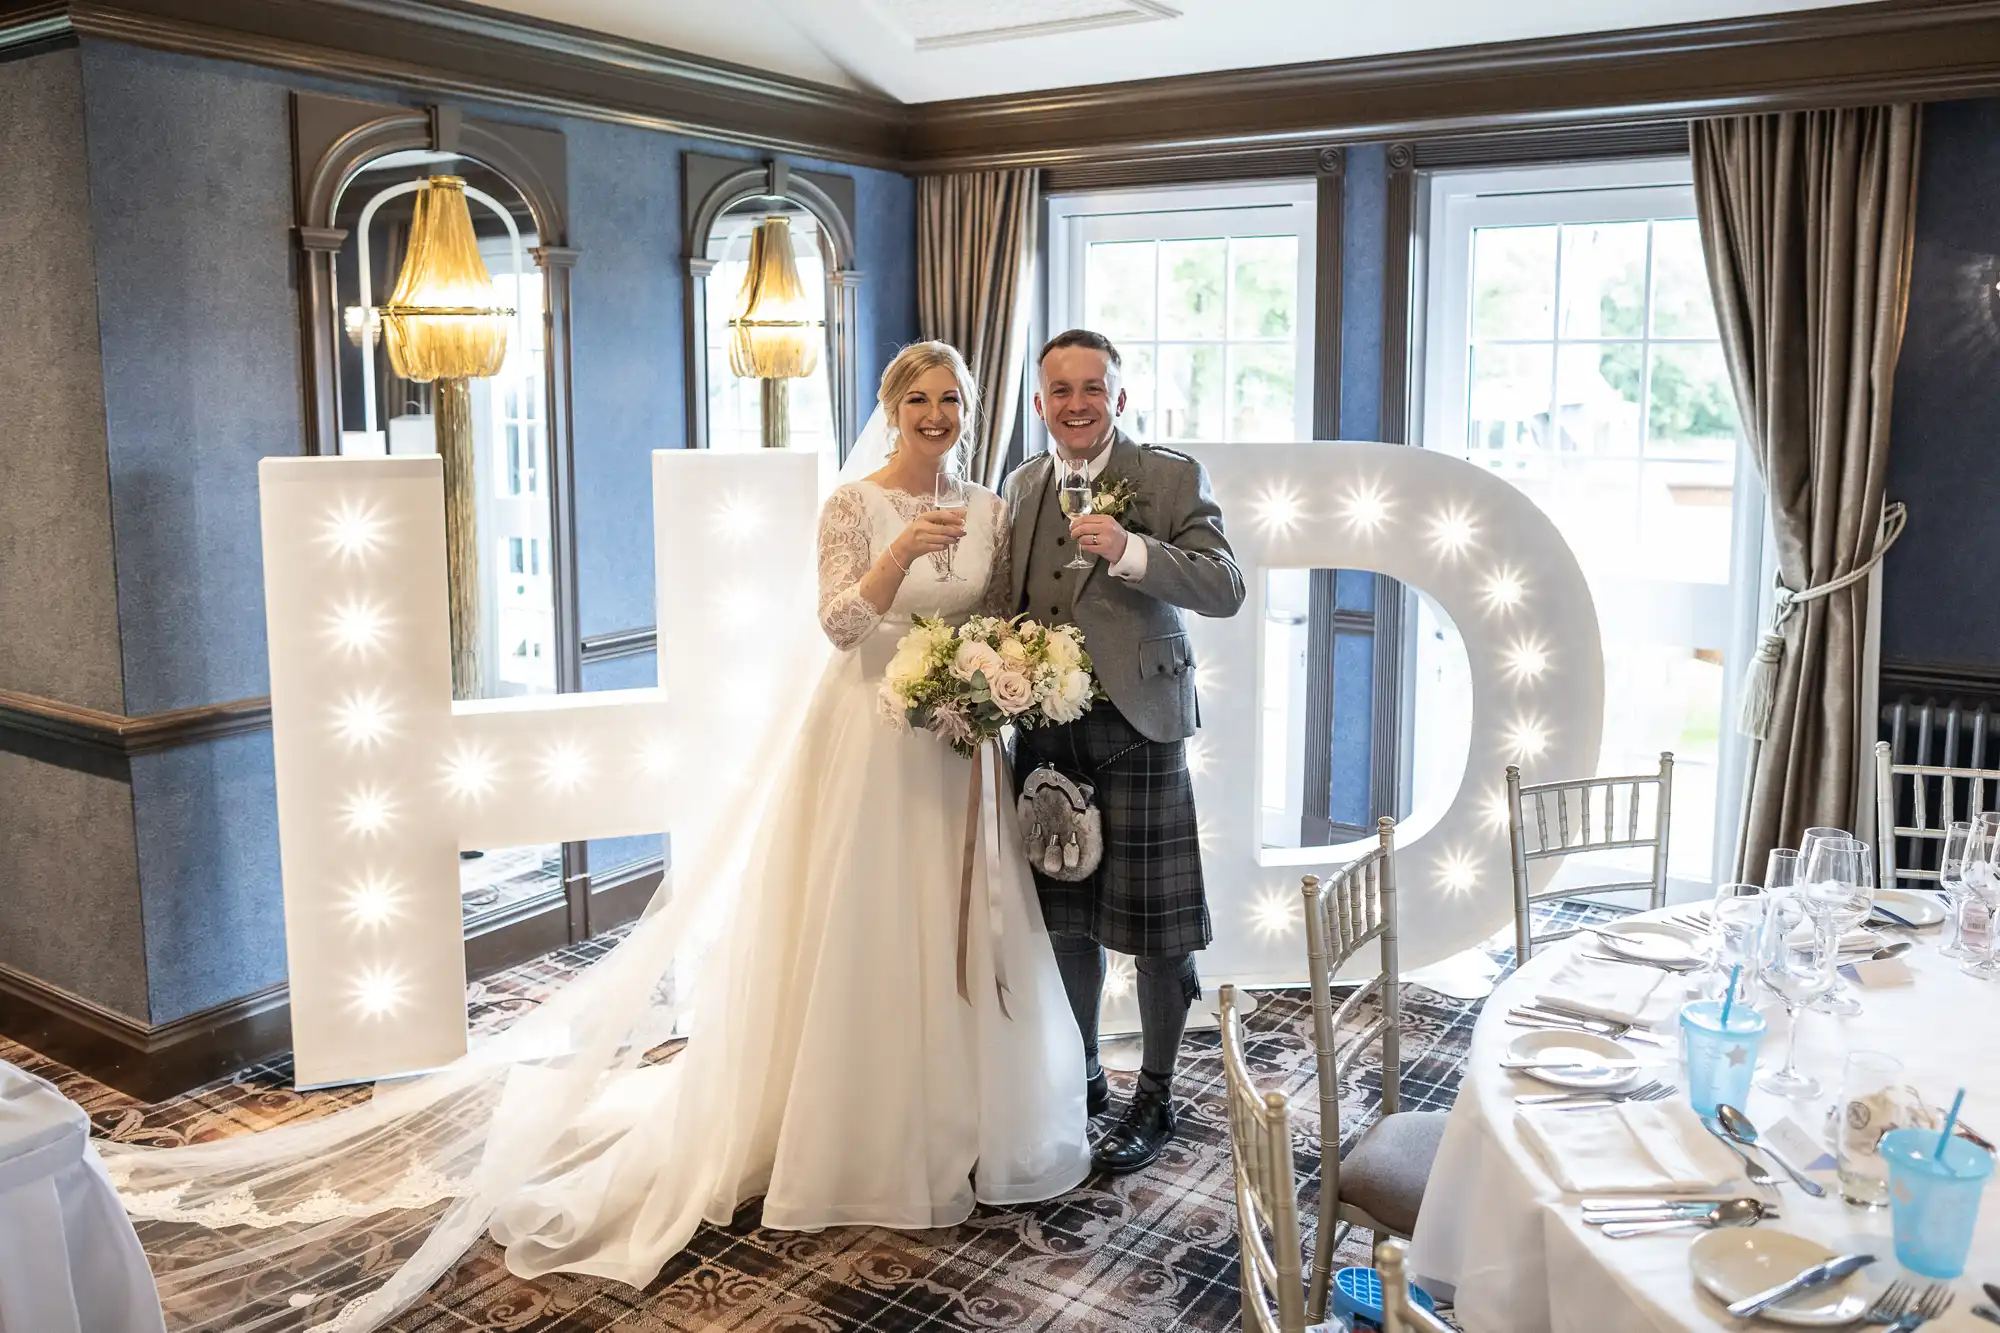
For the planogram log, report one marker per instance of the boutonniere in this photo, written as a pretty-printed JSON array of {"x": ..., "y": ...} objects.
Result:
[{"x": 1114, "y": 497}]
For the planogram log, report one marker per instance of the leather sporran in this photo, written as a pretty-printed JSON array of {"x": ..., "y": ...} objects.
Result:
[{"x": 1061, "y": 826}]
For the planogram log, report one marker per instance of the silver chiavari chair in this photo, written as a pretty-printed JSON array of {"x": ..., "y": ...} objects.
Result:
[
  {"x": 1548, "y": 820},
  {"x": 1400, "y": 1314},
  {"x": 1267, "y": 1202},
  {"x": 1380, "y": 1184},
  {"x": 1934, "y": 792}
]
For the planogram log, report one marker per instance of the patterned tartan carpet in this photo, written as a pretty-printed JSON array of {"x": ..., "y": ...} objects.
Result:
[{"x": 1151, "y": 1251}]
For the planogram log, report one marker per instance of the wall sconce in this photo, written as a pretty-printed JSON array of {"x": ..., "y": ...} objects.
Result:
[{"x": 772, "y": 336}]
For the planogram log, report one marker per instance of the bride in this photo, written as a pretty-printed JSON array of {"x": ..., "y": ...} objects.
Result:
[{"x": 833, "y": 1069}]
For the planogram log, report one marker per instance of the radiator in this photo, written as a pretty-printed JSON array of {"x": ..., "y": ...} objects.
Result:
[{"x": 1953, "y": 735}]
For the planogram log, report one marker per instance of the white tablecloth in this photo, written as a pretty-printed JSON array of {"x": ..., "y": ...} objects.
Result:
[
  {"x": 69, "y": 1261},
  {"x": 1498, "y": 1230}
]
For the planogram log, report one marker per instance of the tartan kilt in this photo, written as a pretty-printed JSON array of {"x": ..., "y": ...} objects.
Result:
[{"x": 1146, "y": 897}]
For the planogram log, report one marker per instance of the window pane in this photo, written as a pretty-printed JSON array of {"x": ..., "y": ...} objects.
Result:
[
  {"x": 1510, "y": 399},
  {"x": 1118, "y": 289},
  {"x": 1681, "y": 304},
  {"x": 1685, "y": 521},
  {"x": 1604, "y": 280},
  {"x": 1139, "y": 414},
  {"x": 1693, "y": 409},
  {"x": 1354, "y": 590},
  {"x": 1513, "y": 282},
  {"x": 1191, "y": 288},
  {"x": 1260, "y": 393},
  {"x": 1190, "y": 393},
  {"x": 1265, "y": 301},
  {"x": 1597, "y": 396}
]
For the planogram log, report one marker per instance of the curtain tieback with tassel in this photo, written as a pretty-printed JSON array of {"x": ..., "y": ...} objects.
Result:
[{"x": 1760, "y": 683}]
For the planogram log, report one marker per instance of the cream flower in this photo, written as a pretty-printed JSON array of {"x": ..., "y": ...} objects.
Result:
[
  {"x": 1012, "y": 691},
  {"x": 1013, "y": 651},
  {"x": 1075, "y": 688},
  {"x": 1063, "y": 651},
  {"x": 973, "y": 658}
]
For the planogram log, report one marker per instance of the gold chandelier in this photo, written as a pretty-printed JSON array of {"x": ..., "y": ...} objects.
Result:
[
  {"x": 771, "y": 335},
  {"x": 443, "y": 321}
]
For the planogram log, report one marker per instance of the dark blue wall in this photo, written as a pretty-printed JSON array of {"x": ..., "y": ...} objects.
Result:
[
  {"x": 1363, "y": 229},
  {"x": 190, "y": 197},
  {"x": 1944, "y": 445}
]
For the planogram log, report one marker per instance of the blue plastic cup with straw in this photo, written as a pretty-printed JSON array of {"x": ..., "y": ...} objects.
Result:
[
  {"x": 1720, "y": 1041},
  {"x": 1935, "y": 1182}
]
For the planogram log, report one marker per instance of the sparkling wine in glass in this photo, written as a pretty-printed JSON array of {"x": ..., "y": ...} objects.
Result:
[
  {"x": 1077, "y": 500},
  {"x": 950, "y": 494},
  {"x": 1796, "y": 963}
]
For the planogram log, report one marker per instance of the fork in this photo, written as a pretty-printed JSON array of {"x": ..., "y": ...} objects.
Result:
[
  {"x": 1890, "y": 1304},
  {"x": 1652, "y": 1091},
  {"x": 1936, "y": 1300},
  {"x": 1549, "y": 1023}
]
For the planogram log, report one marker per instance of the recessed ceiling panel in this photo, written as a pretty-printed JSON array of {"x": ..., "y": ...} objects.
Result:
[{"x": 939, "y": 23}]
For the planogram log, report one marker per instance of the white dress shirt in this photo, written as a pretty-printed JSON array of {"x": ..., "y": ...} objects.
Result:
[{"x": 1130, "y": 566}]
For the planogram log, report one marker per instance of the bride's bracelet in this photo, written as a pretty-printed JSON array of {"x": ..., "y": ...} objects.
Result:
[{"x": 897, "y": 563}]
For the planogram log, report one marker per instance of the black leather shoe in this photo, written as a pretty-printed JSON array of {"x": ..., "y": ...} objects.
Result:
[
  {"x": 1139, "y": 1136},
  {"x": 1097, "y": 1095}
]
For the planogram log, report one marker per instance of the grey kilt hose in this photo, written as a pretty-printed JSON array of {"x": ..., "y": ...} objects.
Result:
[{"x": 1146, "y": 898}]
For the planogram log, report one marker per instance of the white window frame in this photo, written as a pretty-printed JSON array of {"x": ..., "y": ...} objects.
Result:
[
  {"x": 1286, "y": 207},
  {"x": 1456, "y": 203}
]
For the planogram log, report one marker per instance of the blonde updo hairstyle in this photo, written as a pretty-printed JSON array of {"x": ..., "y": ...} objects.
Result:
[{"x": 910, "y": 366}]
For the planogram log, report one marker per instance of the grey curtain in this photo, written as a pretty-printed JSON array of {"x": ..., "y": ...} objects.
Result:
[
  {"x": 975, "y": 246},
  {"x": 1806, "y": 220}
]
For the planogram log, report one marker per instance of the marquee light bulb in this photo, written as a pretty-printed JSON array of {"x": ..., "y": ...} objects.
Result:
[
  {"x": 1494, "y": 813},
  {"x": 1453, "y": 533},
  {"x": 470, "y": 773},
  {"x": 1525, "y": 660},
  {"x": 354, "y": 531},
  {"x": 1279, "y": 509},
  {"x": 1197, "y": 756},
  {"x": 1528, "y": 738},
  {"x": 737, "y": 517},
  {"x": 1120, "y": 979},
  {"x": 372, "y": 901},
  {"x": 1457, "y": 872},
  {"x": 379, "y": 991},
  {"x": 362, "y": 720},
  {"x": 1504, "y": 589},
  {"x": 368, "y": 811},
  {"x": 1366, "y": 508},
  {"x": 1276, "y": 912},
  {"x": 563, "y": 767},
  {"x": 357, "y": 627}
]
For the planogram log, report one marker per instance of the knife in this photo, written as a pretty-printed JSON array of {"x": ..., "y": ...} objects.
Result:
[
  {"x": 1902, "y": 921},
  {"x": 1992, "y": 1292},
  {"x": 1576, "y": 1064},
  {"x": 1833, "y": 1270}
]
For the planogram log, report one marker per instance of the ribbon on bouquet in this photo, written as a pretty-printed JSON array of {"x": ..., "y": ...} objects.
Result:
[{"x": 982, "y": 824}]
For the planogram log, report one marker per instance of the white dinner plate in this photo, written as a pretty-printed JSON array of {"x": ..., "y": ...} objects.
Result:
[
  {"x": 1743, "y": 1261},
  {"x": 1578, "y": 1046},
  {"x": 1651, "y": 941},
  {"x": 1919, "y": 909}
]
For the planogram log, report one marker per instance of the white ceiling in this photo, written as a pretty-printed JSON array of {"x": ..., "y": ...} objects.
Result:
[{"x": 931, "y": 50}]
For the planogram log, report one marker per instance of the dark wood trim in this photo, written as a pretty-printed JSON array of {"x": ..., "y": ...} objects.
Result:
[
  {"x": 1579, "y": 143},
  {"x": 1399, "y": 256},
  {"x": 117, "y": 734},
  {"x": 621, "y": 895},
  {"x": 620, "y": 643},
  {"x": 148, "y": 1061},
  {"x": 1329, "y": 276},
  {"x": 451, "y": 49},
  {"x": 1197, "y": 168},
  {"x": 1891, "y": 50}
]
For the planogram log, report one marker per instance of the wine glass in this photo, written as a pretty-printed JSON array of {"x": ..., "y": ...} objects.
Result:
[
  {"x": 1839, "y": 893},
  {"x": 1982, "y": 876},
  {"x": 1796, "y": 961},
  {"x": 949, "y": 494},
  {"x": 1735, "y": 933},
  {"x": 1781, "y": 870},
  {"x": 1077, "y": 499},
  {"x": 1958, "y": 842}
]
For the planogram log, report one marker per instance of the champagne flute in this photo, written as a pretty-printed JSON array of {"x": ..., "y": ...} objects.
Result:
[
  {"x": 1983, "y": 878},
  {"x": 1796, "y": 962},
  {"x": 1839, "y": 894},
  {"x": 1077, "y": 499},
  {"x": 1958, "y": 843},
  {"x": 949, "y": 493}
]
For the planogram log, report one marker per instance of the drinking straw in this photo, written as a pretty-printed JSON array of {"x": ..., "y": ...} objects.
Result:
[
  {"x": 1729, "y": 996},
  {"x": 1950, "y": 1123}
]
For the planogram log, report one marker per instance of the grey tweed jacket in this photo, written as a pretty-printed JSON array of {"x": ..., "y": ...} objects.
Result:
[{"x": 1134, "y": 631}]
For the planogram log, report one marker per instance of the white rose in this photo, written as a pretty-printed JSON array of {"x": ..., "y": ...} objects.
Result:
[
  {"x": 1063, "y": 652},
  {"x": 1013, "y": 652},
  {"x": 973, "y": 658},
  {"x": 908, "y": 666},
  {"x": 1075, "y": 690},
  {"x": 892, "y": 709},
  {"x": 1059, "y": 711},
  {"x": 1012, "y": 692}
]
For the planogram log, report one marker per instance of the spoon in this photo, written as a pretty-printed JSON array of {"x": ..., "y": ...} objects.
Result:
[
  {"x": 1759, "y": 1173},
  {"x": 1737, "y": 1126},
  {"x": 1727, "y": 1213}
]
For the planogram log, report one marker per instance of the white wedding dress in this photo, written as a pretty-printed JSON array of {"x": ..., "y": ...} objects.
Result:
[{"x": 833, "y": 1068}]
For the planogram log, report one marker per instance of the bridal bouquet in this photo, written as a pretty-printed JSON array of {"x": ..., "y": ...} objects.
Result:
[{"x": 965, "y": 684}]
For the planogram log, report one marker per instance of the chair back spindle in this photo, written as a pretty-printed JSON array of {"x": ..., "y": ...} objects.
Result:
[{"x": 1530, "y": 840}]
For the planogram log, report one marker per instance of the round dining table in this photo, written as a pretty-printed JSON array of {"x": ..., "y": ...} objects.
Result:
[{"x": 1497, "y": 1233}]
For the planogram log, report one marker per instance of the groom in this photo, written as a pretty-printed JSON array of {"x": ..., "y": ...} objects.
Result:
[{"x": 1162, "y": 554}]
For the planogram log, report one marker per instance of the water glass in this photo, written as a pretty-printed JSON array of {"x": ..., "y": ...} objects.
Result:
[
  {"x": 1720, "y": 1060},
  {"x": 1734, "y": 929},
  {"x": 1781, "y": 870},
  {"x": 1951, "y": 878},
  {"x": 1839, "y": 891},
  {"x": 1933, "y": 1201},
  {"x": 1874, "y": 1100}
]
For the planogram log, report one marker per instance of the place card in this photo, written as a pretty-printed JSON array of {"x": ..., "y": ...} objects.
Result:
[
  {"x": 1882, "y": 974},
  {"x": 1790, "y": 1138}
]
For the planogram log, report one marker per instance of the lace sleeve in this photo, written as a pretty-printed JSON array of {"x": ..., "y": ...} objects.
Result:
[
  {"x": 999, "y": 599},
  {"x": 845, "y": 555}
]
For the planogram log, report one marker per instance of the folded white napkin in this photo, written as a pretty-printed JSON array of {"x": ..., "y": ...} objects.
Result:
[
  {"x": 1617, "y": 991},
  {"x": 1643, "y": 1147}
]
